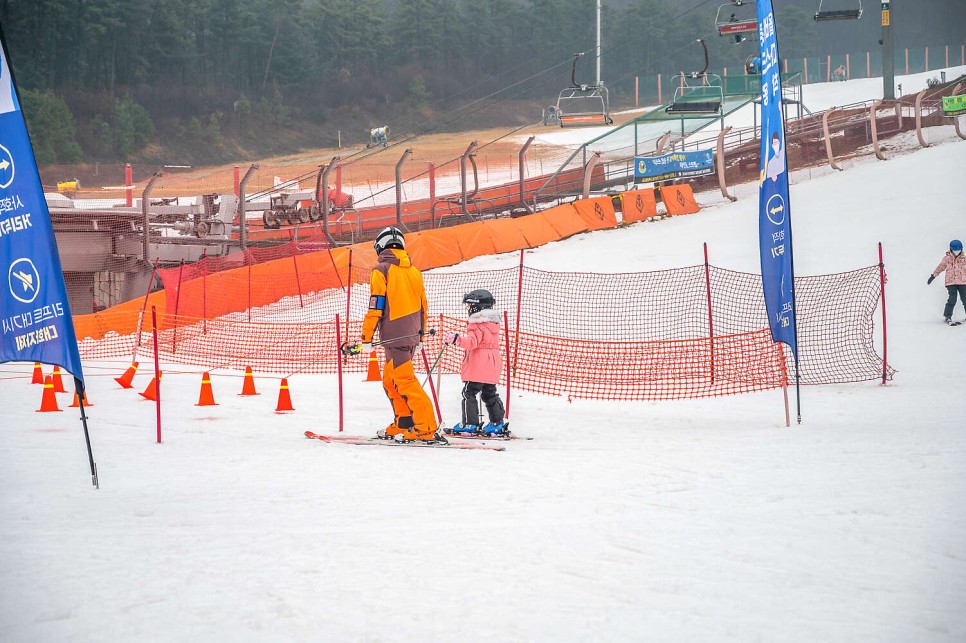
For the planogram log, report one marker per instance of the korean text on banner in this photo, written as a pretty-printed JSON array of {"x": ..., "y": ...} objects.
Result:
[
  {"x": 676, "y": 165},
  {"x": 35, "y": 320},
  {"x": 774, "y": 216}
]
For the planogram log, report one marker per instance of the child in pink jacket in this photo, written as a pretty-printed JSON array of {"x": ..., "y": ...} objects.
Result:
[
  {"x": 954, "y": 264},
  {"x": 481, "y": 365}
]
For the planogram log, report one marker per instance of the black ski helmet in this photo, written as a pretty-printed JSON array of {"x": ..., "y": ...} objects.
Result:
[
  {"x": 389, "y": 238},
  {"x": 478, "y": 299}
]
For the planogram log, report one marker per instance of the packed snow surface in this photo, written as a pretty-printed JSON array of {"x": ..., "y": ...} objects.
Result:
[{"x": 698, "y": 520}]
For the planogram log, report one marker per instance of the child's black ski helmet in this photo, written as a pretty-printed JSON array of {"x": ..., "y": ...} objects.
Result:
[{"x": 478, "y": 299}]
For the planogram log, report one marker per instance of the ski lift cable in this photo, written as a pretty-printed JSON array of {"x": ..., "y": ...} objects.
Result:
[{"x": 436, "y": 124}]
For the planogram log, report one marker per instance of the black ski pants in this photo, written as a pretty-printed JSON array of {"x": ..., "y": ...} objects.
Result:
[
  {"x": 951, "y": 302},
  {"x": 491, "y": 399}
]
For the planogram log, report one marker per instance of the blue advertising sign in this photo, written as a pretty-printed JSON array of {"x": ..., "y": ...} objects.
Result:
[
  {"x": 774, "y": 215},
  {"x": 673, "y": 166},
  {"x": 35, "y": 321}
]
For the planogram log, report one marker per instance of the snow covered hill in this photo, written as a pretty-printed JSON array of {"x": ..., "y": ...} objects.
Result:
[{"x": 702, "y": 520}]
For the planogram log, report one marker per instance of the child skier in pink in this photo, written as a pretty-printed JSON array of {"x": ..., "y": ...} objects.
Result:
[
  {"x": 481, "y": 365},
  {"x": 954, "y": 264}
]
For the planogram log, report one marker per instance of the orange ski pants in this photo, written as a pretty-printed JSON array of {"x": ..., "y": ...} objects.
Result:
[{"x": 407, "y": 396}]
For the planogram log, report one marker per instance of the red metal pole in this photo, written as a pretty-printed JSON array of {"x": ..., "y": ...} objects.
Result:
[
  {"x": 506, "y": 334},
  {"x": 432, "y": 184},
  {"x": 338, "y": 364},
  {"x": 144, "y": 305},
  {"x": 516, "y": 347},
  {"x": 885, "y": 343},
  {"x": 348, "y": 295},
  {"x": 298, "y": 282},
  {"x": 236, "y": 174},
  {"x": 204, "y": 291},
  {"x": 177, "y": 305},
  {"x": 432, "y": 388},
  {"x": 338, "y": 179},
  {"x": 128, "y": 186},
  {"x": 157, "y": 369},
  {"x": 707, "y": 284}
]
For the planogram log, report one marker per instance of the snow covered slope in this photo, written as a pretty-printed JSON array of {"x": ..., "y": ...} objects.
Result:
[{"x": 698, "y": 520}]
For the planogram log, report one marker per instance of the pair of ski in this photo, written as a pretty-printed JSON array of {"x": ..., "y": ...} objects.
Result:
[{"x": 435, "y": 444}]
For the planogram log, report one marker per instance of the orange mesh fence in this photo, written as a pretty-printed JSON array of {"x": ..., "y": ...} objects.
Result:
[{"x": 645, "y": 335}]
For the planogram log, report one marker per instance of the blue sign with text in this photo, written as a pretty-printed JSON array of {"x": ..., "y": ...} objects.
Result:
[
  {"x": 35, "y": 320},
  {"x": 774, "y": 215},
  {"x": 673, "y": 166}
]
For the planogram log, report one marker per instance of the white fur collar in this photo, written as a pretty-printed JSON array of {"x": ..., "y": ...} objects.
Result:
[{"x": 485, "y": 315}]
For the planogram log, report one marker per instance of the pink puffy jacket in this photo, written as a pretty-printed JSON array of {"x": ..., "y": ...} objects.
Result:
[
  {"x": 481, "y": 362},
  {"x": 955, "y": 268}
]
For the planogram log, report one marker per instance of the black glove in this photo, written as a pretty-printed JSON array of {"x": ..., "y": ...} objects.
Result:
[{"x": 931, "y": 277}]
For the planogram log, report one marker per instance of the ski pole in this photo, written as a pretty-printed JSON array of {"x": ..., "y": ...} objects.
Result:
[
  {"x": 353, "y": 349},
  {"x": 432, "y": 368}
]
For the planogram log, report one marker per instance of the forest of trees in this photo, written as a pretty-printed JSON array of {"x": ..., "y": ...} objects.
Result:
[{"x": 214, "y": 80}]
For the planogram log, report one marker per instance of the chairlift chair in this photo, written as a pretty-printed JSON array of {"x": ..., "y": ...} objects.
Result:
[
  {"x": 823, "y": 15},
  {"x": 727, "y": 22},
  {"x": 705, "y": 98},
  {"x": 582, "y": 105}
]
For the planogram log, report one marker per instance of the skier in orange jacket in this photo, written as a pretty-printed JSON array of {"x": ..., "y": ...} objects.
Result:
[{"x": 398, "y": 310}]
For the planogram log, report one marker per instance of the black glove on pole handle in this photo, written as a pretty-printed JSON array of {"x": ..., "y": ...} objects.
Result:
[{"x": 929, "y": 281}]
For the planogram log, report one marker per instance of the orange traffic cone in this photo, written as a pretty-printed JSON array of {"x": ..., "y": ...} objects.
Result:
[
  {"x": 248, "y": 388},
  {"x": 48, "y": 402},
  {"x": 151, "y": 392},
  {"x": 57, "y": 381},
  {"x": 284, "y": 399},
  {"x": 38, "y": 377},
  {"x": 373, "y": 374},
  {"x": 86, "y": 403},
  {"x": 125, "y": 380},
  {"x": 206, "y": 398}
]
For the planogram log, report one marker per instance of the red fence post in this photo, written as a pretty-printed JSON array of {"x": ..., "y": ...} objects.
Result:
[
  {"x": 707, "y": 283},
  {"x": 348, "y": 295},
  {"x": 128, "y": 186},
  {"x": 516, "y": 347},
  {"x": 432, "y": 389},
  {"x": 147, "y": 293},
  {"x": 885, "y": 344},
  {"x": 177, "y": 306},
  {"x": 506, "y": 334},
  {"x": 157, "y": 369},
  {"x": 204, "y": 291},
  {"x": 298, "y": 282},
  {"x": 338, "y": 366},
  {"x": 236, "y": 176}
]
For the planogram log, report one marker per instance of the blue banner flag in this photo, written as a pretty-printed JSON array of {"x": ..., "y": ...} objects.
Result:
[
  {"x": 774, "y": 216},
  {"x": 35, "y": 321},
  {"x": 673, "y": 166}
]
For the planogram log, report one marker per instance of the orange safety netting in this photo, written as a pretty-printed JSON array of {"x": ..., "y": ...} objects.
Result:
[{"x": 605, "y": 336}]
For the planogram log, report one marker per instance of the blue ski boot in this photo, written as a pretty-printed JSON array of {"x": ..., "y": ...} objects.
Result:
[
  {"x": 472, "y": 429},
  {"x": 492, "y": 428}
]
